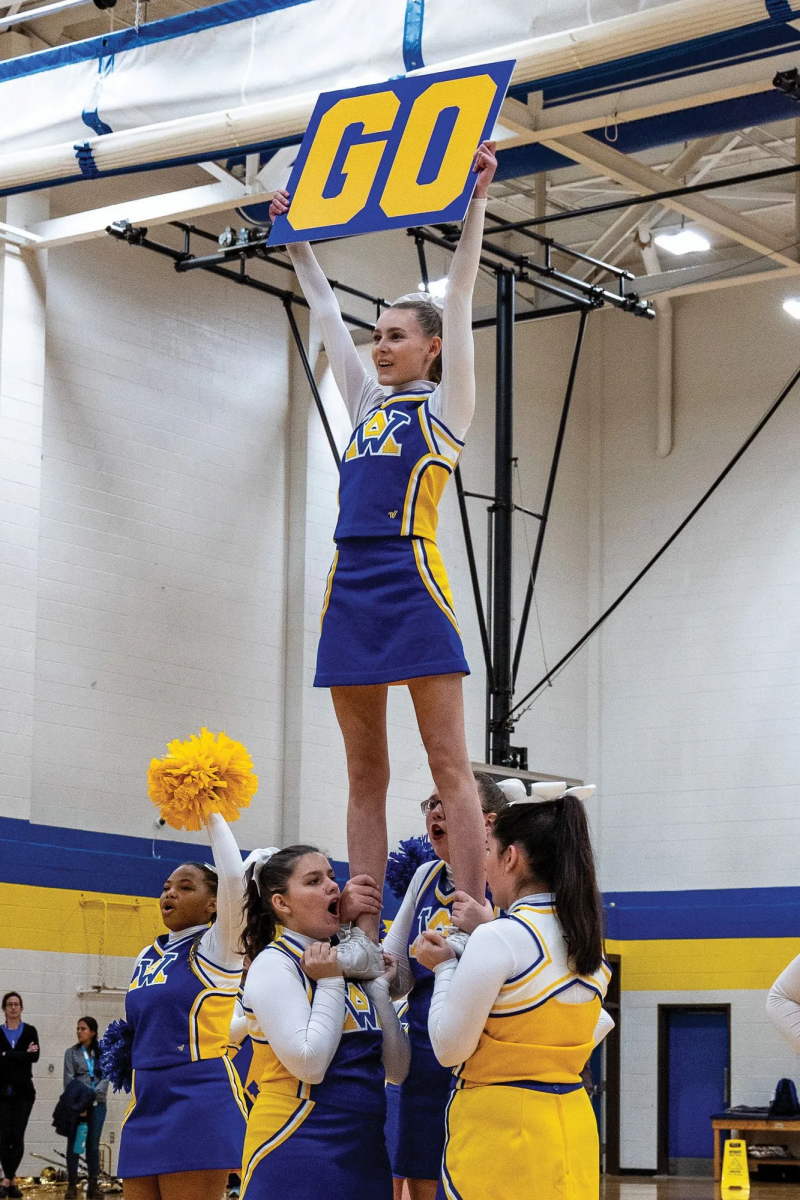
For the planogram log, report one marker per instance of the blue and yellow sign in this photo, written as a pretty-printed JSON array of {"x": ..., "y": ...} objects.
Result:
[{"x": 391, "y": 155}]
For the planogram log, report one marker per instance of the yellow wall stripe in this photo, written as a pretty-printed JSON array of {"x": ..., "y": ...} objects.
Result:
[
  {"x": 72, "y": 922},
  {"x": 703, "y": 964},
  {"x": 79, "y": 922}
]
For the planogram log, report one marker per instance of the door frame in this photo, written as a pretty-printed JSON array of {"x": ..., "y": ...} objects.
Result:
[
  {"x": 611, "y": 1072},
  {"x": 663, "y": 1071}
]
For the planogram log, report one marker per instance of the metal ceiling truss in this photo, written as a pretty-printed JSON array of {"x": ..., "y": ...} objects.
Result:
[{"x": 229, "y": 261}]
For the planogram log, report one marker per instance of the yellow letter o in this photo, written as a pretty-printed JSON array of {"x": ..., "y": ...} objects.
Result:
[{"x": 473, "y": 97}]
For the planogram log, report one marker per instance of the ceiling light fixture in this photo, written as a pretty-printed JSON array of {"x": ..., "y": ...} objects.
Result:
[
  {"x": 684, "y": 241},
  {"x": 792, "y": 306}
]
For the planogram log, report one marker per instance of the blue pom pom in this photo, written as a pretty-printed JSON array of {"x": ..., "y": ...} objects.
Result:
[
  {"x": 403, "y": 863},
  {"x": 116, "y": 1061}
]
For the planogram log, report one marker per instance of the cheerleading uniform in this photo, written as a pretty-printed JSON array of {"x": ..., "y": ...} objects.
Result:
[
  {"x": 518, "y": 1024},
  {"x": 388, "y": 611},
  {"x": 187, "y": 1110},
  {"x": 246, "y": 1052},
  {"x": 415, "y": 1125},
  {"x": 783, "y": 1004},
  {"x": 316, "y": 1128}
]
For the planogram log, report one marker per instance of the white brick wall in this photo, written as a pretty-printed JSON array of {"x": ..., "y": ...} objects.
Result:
[
  {"x": 699, "y": 669},
  {"x": 23, "y": 282},
  {"x": 162, "y": 551}
]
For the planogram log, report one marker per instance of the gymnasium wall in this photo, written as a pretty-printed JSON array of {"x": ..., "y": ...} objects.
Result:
[
  {"x": 168, "y": 501},
  {"x": 694, "y": 683}
]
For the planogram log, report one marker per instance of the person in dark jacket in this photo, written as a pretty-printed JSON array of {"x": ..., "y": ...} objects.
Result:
[
  {"x": 82, "y": 1061},
  {"x": 19, "y": 1050}
]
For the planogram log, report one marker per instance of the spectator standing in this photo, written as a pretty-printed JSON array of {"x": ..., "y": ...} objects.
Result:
[
  {"x": 19, "y": 1050},
  {"x": 82, "y": 1062}
]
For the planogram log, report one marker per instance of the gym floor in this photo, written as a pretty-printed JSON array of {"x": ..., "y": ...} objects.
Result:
[{"x": 612, "y": 1189}]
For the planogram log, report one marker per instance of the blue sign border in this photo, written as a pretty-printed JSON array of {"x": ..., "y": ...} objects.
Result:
[{"x": 371, "y": 219}]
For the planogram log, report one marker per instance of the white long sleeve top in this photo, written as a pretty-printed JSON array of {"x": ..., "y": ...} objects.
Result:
[
  {"x": 465, "y": 990},
  {"x": 220, "y": 941},
  {"x": 397, "y": 939},
  {"x": 452, "y": 400},
  {"x": 783, "y": 1004},
  {"x": 305, "y": 1036}
]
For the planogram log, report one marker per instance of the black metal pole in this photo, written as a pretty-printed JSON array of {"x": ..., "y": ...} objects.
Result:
[
  {"x": 312, "y": 383},
  {"x": 473, "y": 574},
  {"x": 548, "y": 498},
  {"x": 501, "y": 684}
]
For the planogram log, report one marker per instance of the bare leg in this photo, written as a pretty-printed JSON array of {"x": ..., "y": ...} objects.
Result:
[
  {"x": 193, "y": 1185},
  {"x": 143, "y": 1188},
  {"x": 422, "y": 1189},
  {"x": 398, "y": 1191},
  {"x": 361, "y": 713},
  {"x": 439, "y": 705}
]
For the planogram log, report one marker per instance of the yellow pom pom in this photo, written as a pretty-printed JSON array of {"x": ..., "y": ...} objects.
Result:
[{"x": 209, "y": 773}]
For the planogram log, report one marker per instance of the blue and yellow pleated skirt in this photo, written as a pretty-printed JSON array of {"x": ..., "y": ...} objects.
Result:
[
  {"x": 190, "y": 1117},
  {"x": 387, "y": 615},
  {"x": 302, "y": 1150},
  {"x": 415, "y": 1115},
  {"x": 505, "y": 1142}
]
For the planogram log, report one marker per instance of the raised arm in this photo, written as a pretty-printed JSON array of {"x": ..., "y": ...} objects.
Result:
[
  {"x": 454, "y": 399},
  {"x": 304, "y": 1036},
  {"x": 396, "y": 941},
  {"x": 348, "y": 370},
  {"x": 221, "y": 943},
  {"x": 783, "y": 1004}
]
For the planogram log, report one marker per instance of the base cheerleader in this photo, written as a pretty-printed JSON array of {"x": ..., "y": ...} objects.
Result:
[
  {"x": 520, "y": 1014},
  {"x": 783, "y": 1004},
  {"x": 388, "y": 612},
  {"x": 327, "y": 1045},
  {"x": 185, "y": 1126},
  {"x": 415, "y": 1126}
]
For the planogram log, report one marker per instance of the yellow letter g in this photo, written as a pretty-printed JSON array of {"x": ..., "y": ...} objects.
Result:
[{"x": 309, "y": 208}]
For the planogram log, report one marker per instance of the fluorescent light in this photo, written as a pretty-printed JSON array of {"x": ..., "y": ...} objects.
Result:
[
  {"x": 685, "y": 241},
  {"x": 436, "y": 288},
  {"x": 792, "y": 307}
]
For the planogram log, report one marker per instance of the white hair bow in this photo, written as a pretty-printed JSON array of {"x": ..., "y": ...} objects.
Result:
[
  {"x": 255, "y": 862},
  {"x": 426, "y": 297},
  {"x": 544, "y": 793},
  {"x": 513, "y": 790}
]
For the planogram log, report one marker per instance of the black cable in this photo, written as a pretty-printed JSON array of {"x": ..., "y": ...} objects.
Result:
[
  {"x": 769, "y": 414},
  {"x": 650, "y": 198}
]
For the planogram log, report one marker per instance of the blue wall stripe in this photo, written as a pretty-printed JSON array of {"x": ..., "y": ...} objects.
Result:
[
  {"x": 82, "y": 860},
  {"x": 704, "y": 913},
  {"x": 79, "y": 859}
]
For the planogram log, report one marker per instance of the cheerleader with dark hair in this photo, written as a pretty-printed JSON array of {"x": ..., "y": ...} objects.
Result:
[
  {"x": 326, "y": 1045},
  {"x": 520, "y": 1013},
  {"x": 388, "y": 614},
  {"x": 184, "y": 1130},
  {"x": 415, "y": 1125}
]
